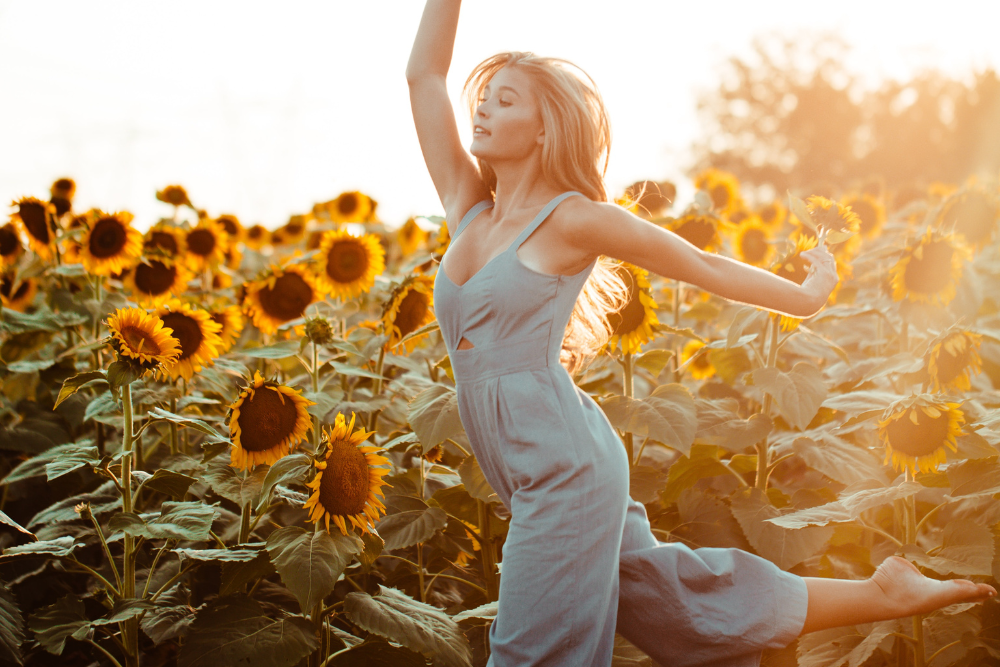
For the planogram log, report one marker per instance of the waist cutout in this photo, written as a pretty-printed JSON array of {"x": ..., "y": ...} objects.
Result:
[{"x": 501, "y": 357}]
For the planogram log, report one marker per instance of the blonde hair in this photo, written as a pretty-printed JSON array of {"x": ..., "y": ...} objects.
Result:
[{"x": 574, "y": 157}]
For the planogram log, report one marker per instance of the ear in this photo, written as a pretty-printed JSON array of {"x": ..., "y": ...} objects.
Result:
[{"x": 540, "y": 139}]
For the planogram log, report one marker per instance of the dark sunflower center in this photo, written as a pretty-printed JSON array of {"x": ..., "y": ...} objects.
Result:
[
  {"x": 201, "y": 242},
  {"x": 255, "y": 232},
  {"x": 9, "y": 243},
  {"x": 699, "y": 232},
  {"x": 412, "y": 311},
  {"x": 794, "y": 269},
  {"x": 187, "y": 332},
  {"x": 140, "y": 341},
  {"x": 21, "y": 291},
  {"x": 629, "y": 318},
  {"x": 175, "y": 195},
  {"x": 346, "y": 261},
  {"x": 221, "y": 320},
  {"x": 769, "y": 214},
  {"x": 229, "y": 225},
  {"x": 266, "y": 419},
  {"x": 35, "y": 220},
  {"x": 344, "y": 486},
  {"x": 107, "y": 238},
  {"x": 920, "y": 439},
  {"x": 294, "y": 228},
  {"x": 288, "y": 298},
  {"x": 931, "y": 271},
  {"x": 5, "y": 286},
  {"x": 720, "y": 195},
  {"x": 753, "y": 245},
  {"x": 164, "y": 241},
  {"x": 701, "y": 361},
  {"x": 62, "y": 204},
  {"x": 154, "y": 278},
  {"x": 347, "y": 204}
]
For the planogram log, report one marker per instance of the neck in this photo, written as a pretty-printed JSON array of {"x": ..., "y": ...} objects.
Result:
[{"x": 520, "y": 185}]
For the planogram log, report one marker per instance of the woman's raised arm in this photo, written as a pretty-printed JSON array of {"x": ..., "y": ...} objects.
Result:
[{"x": 452, "y": 169}]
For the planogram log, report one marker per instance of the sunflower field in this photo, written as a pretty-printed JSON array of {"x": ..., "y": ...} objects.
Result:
[{"x": 228, "y": 445}]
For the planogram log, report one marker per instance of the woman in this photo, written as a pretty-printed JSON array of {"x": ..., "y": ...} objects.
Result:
[{"x": 580, "y": 560}]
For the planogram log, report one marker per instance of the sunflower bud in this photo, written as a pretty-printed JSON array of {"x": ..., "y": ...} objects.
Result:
[
  {"x": 319, "y": 330},
  {"x": 83, "y": 509}
]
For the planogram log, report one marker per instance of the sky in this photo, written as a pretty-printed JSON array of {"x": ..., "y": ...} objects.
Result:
[{"x": 262, "y": 109}]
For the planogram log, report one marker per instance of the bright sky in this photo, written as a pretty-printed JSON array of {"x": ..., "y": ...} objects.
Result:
[{"x": 262, "y": 109}]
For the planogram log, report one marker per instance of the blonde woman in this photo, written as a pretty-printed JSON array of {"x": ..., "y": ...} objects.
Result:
[{"x": 516, "y": 300}]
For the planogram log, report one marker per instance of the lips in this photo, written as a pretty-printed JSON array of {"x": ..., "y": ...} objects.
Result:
[{"x": 479, "y": 129}]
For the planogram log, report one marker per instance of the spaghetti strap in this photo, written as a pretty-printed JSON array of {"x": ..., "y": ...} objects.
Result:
[
  {"x": 468, "y": 217},
  {"x": 540, "y": 218}
]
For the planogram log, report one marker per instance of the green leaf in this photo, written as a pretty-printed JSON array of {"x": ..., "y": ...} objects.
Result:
[
  {"x": 685, "y": 472},
  {"x": 177, "y": 521},
  {"x": 71, "y": 385},
  {"x": 15, "y": 525},
  {"x": 11, "y": 627},
  {"x": 233, "y": 630},
  {"x": 433, "y": 414},
  {"x": 121, "y": 373},
  {"x": 54, "y": 624},
  {"x": 974, "y": 478},
  {"x": 231, "y": 484},
  {"x": 475, "y": 481},
  {"x": 484, "y": 612},
  {"x": 172, "y": 483},
  {"x": 374, "y": 544},
  {"x": 287, "y": 470},
  {"x": 838, "y": 459},
  {"x": 801, "y": 211},
  {"x": 847, "y": 646},
  {"x": 798, "y": 393},
  {"x": 785, "y": 548},
  {"x": 164, "y": 623},
  {"x": 747, "y": 317},
  {"x": 853, "y": 501},
  {"x": 60, "y": 546},
  {"x": 654, "y": 361},
  {"x": 354, "y": 371},
  {"x": 234, "y": 554},
  {"x": 668, "y": 415},
  {"x": 31, "y": 366},
  {"x": 645, "y": 483},
  {"x": 858, "y": 402},
  {"x": 735, "y": 435},
  {"x": 36, "y": 467},
  {"x": 124, "y": 610},
  {"x": 282, "y": 350},
  {"x": 43, "y": 319},
  {"x": 417, "y": 626},
  {"x": 967, "y": 550},
  {"x": 404, "y": 529},
  {"x": 310, "y": 562},
  {"x": 236, "y": 575},
  {"x": 376, "y": 653},
  {"x": 190, "y": 422}
]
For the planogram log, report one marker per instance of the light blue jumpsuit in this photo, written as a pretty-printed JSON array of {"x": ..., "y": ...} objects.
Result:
[{"x": 580, "y": 560}]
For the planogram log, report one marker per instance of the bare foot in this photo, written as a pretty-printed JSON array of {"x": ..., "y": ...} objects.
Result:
[{"x": 907, "y": 592}]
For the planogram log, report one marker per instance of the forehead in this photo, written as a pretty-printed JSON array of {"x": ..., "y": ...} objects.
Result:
[{"x": 513, "y": 78}]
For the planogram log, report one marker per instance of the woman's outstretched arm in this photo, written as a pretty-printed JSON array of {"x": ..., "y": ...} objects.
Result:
[
  {"x": 608, "y": 229},
  {"x": 452, "y": 169}
]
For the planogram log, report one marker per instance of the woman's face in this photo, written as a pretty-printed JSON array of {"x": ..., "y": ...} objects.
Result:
[{"x": 508, "y": 123}]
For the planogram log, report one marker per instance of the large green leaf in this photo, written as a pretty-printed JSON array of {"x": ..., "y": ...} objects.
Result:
[
  {"x": 234, "y": 632},
  {"x": 783, "y": 547},
  {"x": 103, "y": 500},
  {"x": 281, "y": 350},
  {"x": 433, "y": 414},
  {"x": 14, "y": 524},
  {"x": 967, "y": 550},
  {"x": 837, "y": 459},
  {"x": 71, "y": 385},
  {"x": 61, "y": 546},
  {"x": 170, "y": 482},
  {"x": 475, "y": 481},
  {"x": 164, "y": 623},
  {"x": 64, "y": 458},
  {"x": 286, "y": 470},
  {"x": 234, "y": 484},
  {"x": 11, "y": 627},
  {"x": 377, "y": 653},
  {"x": 847, "y": 646},
  {"x": 686, "y": 471},
  {"x": 177, "y": 521},
  {"x": 735, "y": 435},
  {"x": 124, "y": 610},
  {"x": 645, "y": 483},
  {"x": 798, "y": 393},
  {"x": 415, "y": 625},
  {"x": 190, "y": 422},
  {"x": 233, "y": 554},
  {"x": 667, "y": 415},
  {"x": 310, "y": 562},
  {"x": 853, "y": 501},
  {"x": 54, "y": 624},
  {"x": 404, "y": 529}
]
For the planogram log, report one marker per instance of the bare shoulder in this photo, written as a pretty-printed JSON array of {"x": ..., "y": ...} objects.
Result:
[{"x": 585, "y": 224}]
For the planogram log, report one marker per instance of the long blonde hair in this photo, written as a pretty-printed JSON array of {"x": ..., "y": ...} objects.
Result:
[{"x": 574, "y": 157}]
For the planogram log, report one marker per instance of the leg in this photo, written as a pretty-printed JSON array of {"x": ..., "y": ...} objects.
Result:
[
  {"x": 897, "y": 589},
  {"x": 703, "y": 606}
]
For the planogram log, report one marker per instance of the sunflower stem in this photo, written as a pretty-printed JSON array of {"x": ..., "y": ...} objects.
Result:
[
  {"x": 678, "y": 286},
  {"x": 486, "y": 553},
  {"x": 314, "y": 372},
  {"x": 378, "y": 386},
  {"x": 420, "y": 571},
  {"x": 173, "y": 427},
  {"x": 245, "y": 524},
  {"x": 130, "y": 627},
  {"x": 317, "y": 619},
  {"x": 910, "y": 508},
  {"x": 629, "y": 390},
  {"x": 107, "y": 551},
  {"x": 762, "y": 448}
]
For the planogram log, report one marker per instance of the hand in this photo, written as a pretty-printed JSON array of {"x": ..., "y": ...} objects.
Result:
[{"x": 822, "y": 275}]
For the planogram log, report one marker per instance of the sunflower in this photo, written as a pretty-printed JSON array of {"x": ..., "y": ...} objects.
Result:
[
  {"x": 701, "y": 368},
  {"x": 36, "y": 219},
  {"x": 972, "y": 214},
  {"x": 652, "y": 198},
  {"x": 175, "y": 195},
  {"x": 165, "y": 239},
  {"x": 348, "y": 264},
  {"x": 701, "y": 231},
  {"x": 110, "y": 243},
  {"x": 141, "y": 338},
  {"x": 231, "y": 320},
  {"x": 206, "y": 245},
  {"x": 773, "y": 215},
  {"x": 722, "y": 187},
  {"x": 294, "y": 231},
  {"x": 350, "y": 207},
  {"x": 916, "y": 430},
  {"x": 410, "y": 237},
  {"x": 265, "y": 421},
  {"x": 61, "y": 195},
  {"x": 221, "y": 280},
  {"x": 870, "y": 212},
  {"x": 10, "y": 245},
  {"x": 634, "y": 323},
  {"x": 753, "y": 243},
  {"x": 929, "y": 271},
  {"x": 71, "y": 246},
  {"x": 443, "y": 239},
  {"x": 154, "y": 281},
  {"x": 197, "y": 334},
  {"x": 17, "y": 299},
  {"x": 256, "y": 237},
  {"x": 347, "y": 484},
  {"x": 233, "y": 228},
  {"x": 280, "y": 296},
  {"x": 951, "y": 357},
  {"x": 794, "y": 267},
  {"x": 410, "y": 306}
]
